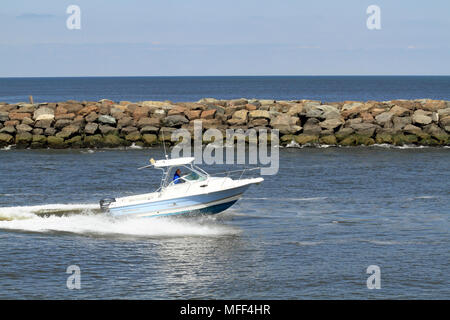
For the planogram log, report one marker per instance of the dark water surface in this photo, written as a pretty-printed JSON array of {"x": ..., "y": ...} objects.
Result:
[
  {"x": 324, "y": 88},
  {"x": 309, "y": 232}
]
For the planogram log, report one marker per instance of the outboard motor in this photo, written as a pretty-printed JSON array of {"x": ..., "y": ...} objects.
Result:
[{"x": 104, "y": 203}]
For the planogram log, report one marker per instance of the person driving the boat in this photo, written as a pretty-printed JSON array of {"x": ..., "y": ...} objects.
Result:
[{"x": 177, "y": 177}]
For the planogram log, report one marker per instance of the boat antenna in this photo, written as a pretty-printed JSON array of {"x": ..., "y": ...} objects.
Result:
[{"x": 164, "y": 143}]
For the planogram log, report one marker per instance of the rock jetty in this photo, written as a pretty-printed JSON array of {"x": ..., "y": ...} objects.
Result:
[{"x": 105, "y": 123}]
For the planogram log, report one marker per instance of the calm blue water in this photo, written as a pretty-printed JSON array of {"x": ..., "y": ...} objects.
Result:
[
  {"x": 308, "y": 232},
  {"x": 324, "y": 88}
]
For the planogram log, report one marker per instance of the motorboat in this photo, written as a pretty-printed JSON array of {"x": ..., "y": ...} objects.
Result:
[{"x": 191, "y": 193}]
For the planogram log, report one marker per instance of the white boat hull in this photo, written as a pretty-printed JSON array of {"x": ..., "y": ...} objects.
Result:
[{"x": 205, "y": 198}]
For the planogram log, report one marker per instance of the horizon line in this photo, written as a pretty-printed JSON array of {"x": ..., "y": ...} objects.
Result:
[{"x": 200, "y": 76}]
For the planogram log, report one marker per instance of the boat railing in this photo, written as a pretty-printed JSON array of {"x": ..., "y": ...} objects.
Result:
[{"x": 235, "y": 174}]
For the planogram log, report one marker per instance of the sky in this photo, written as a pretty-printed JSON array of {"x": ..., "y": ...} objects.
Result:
[{"x": 233, "y": 37}]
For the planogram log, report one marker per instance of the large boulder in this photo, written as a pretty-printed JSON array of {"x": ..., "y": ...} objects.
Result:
[
  {"x": 6, "y": 139},
  {"x": 149, "y": 129},
  {"x": 444, "y": 112},
  {"x": 143, "y": 122},
  {"x": 365, "y": 129},
  {"x": 150, "y": 139},
  {"x": 400, "y": 122},
  {"x": 44, "y": 124},
  {"x": 351, "y": 109},
  {"x": 412, "y": 129},
  {"x": 422, "y": 117},
  {"x": 107, "y": 129},
  {"x": 133, "y": 136},
  {"x": 400, "y": 111},
  {"x": 23, "y": 128},
  {"x": 176, "y": 120},
  {"x": 26, "y": 107},
  {"x": 285, "y": 124},
  {"x": 87, "y": 110},
  {"x": 192, "y": 114},
  {"x": 259, "y": 114},
  {"x": 113, "y": 141},
  {"x": 19, "y": 116},
  {"x": 94, "y": 141},
  {"x": 38, "y": 141},
  {"x": 44, "y": 113},
  {"x": 105, "y": 119},
  {"x": 4, "y": 116},
  {"x": 433, "y": 105},
  {"x": 91, "y": 128},
  {"x": 306, "y": 139},
  {"x": 331, "y": 123},
  {"x": 8, "y": 130},
  {"x": 68, "y": 131},
  {"x": 72, "y": 106},
  {"x": 24, "y": 138},
  {"x": 384, "y": 118},
  {"x": 312, "y": 127}
]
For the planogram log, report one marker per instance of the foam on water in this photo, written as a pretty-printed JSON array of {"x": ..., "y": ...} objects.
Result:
[
  {"x": 390, "y": 146},
  {"x": 30, "y": 219},
  {"x": 135, "y": 147},
  {"x": 7, "y": 148}
]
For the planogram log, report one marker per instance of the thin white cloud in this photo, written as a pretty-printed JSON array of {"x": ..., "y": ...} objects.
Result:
[{"x": 35, "y": 16}]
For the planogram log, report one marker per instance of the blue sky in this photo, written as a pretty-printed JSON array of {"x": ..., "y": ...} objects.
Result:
[{"x": 246, "y": 37}]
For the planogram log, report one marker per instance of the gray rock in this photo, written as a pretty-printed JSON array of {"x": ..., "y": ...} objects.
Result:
[
  {"x": 106, "y": 119},
  {"x": 105, "y": 129},
  {"x": 68, "y": 131},
  {"x": 23, "y": 128},
  {"x": 91, "y": 117},
  {"x": 175, "y": 120},
  {"x": 91, "y": 128},
  {"x": 433, "y": 129},
  {"x": 422, "y": 117},
  {"x": 50, "y": 131},
  {"x": 383, "y": 118},
  {"x": 4, "y": 116},
  {"x": 149, "y": 129},
  {"x": 5, "y": 139},
  {"x": 62, "y": 123},
  {"x": 128, "y": 130},
  {"x": 38, "y": 131},
  {"x": 44, "y": 124},
  {"x": 332, "y": 123},
  {"x": 8, "y": 129},
  {"x": 125, "y": 122},
  {"x": 367, "y": 129},
  {"x": 441, "y": 113},
  {"x": 311, "y": 129},
  {"x": 409, "y": 128},
  {"x": 400, "y": 122}
]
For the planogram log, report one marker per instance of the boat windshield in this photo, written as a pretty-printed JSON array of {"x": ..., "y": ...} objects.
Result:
[{"x": 193, "y": 176}]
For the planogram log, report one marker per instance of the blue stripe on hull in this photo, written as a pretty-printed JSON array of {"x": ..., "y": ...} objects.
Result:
[
  {"x": 204, "y": 211},
  {"x": 177, "y": 203}
]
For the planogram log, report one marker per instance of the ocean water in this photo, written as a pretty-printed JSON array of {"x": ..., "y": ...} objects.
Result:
[
  {"x": 324, "y": 88},
  {"x": 309, "y": 232}
]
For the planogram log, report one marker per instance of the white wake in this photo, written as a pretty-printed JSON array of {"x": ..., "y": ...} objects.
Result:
[{"x": 81, "y": 219}]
